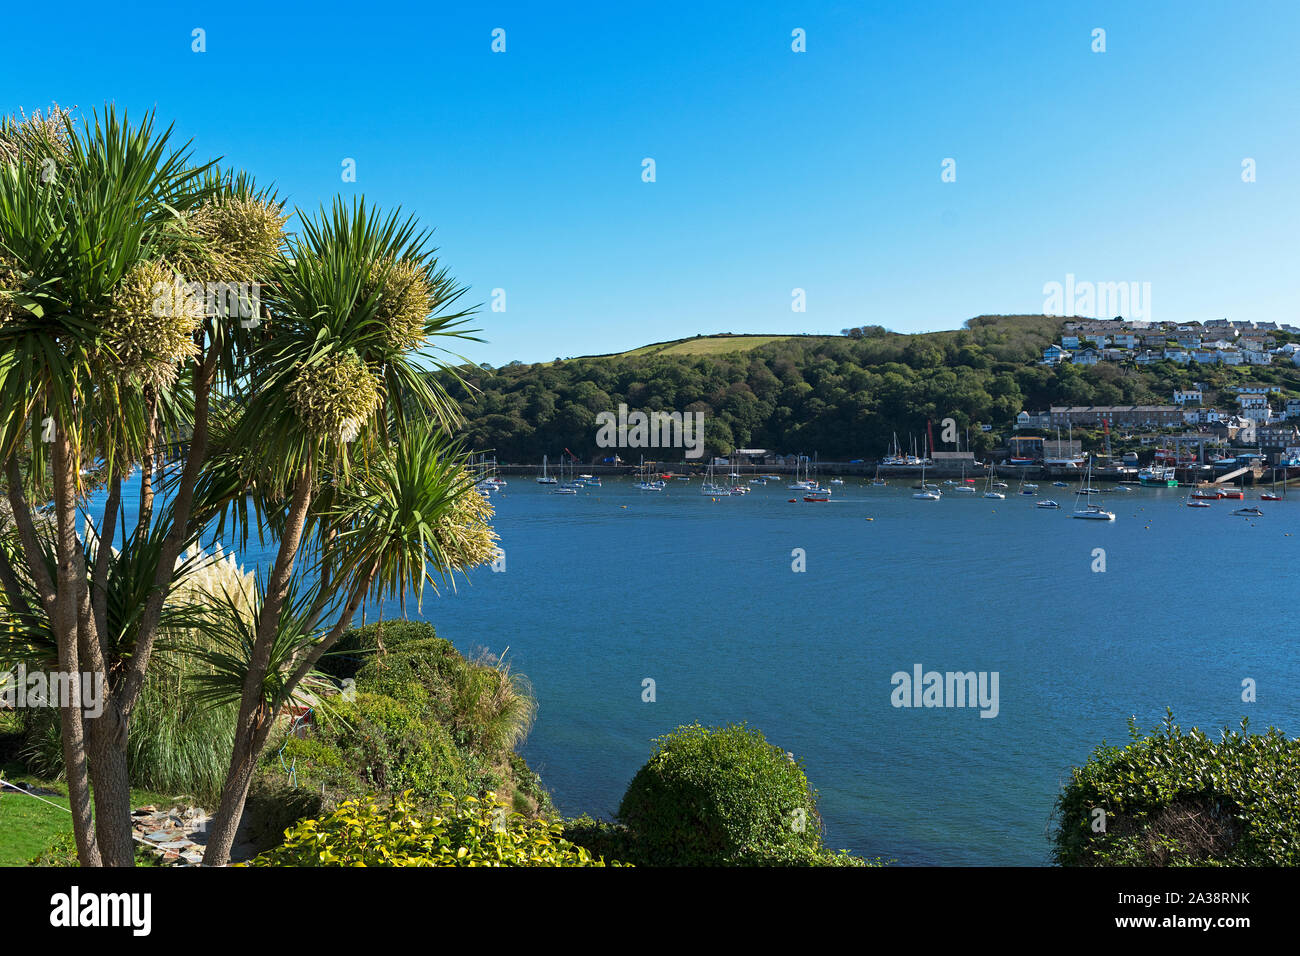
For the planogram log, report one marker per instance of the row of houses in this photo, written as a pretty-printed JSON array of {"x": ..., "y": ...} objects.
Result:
[
  {"x": 1119, "y": 329},
  {"x": 1254, "y": 411},
  {"x": 1056, "y": 355}
]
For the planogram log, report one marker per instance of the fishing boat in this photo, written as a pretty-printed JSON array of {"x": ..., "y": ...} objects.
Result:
[
  {"x": 821, "y": 494},
  {"x": 1233, "y": 493},
  {"x": 1091, "y": 512},
  {"x": 1206, "y": 493},
  {"x": 1269, "y": 496},
  {"x": 546, "y": 479},
  {"x": 1159, "y": 476}
]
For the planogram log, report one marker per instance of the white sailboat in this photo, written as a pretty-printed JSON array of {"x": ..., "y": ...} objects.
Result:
[
  {"x": 990, "y": 485},
  {"x": 712, "y": 489},
  {"x": 545, "y": 479},
  {"x": 926, "y": 494},
  {"x": 1091, "y": 512}
]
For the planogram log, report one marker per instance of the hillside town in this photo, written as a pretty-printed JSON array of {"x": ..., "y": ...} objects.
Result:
[{"x": 1214, "y": 342}]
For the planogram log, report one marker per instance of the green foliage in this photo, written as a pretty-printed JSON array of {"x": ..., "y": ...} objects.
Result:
[
  {"x": 842, "y": 396},
  {"x": 488, "y": 709},
  {"x": 1184, "y": 799},
  {"x": 353, "y": 649},
  {"x": 459, "y": 832},
  {"x": 394, "y": 748},
  {"x": 720, "y": 796},
  {"x": 274, "y": 806}
]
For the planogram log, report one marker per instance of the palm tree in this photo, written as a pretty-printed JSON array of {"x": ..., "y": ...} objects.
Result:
[
  {"x": 97, "y": 222},
  {"x": 339, "y": 430}
]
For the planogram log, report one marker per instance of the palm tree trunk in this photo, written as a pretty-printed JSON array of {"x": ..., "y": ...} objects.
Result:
[
  {"x": 63, "y": 622},
  {"x": 255, "y": 717},
  {"x": 108, "y": 763}
]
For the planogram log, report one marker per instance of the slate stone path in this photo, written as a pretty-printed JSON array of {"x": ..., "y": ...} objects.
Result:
[{"x": 180, "y": 834}]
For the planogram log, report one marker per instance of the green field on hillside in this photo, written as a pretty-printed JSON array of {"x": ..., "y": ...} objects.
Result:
[{"x": 713, "y": 345}]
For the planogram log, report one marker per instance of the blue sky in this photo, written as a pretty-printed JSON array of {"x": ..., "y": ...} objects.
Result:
[{"x": 775, "y": 170}]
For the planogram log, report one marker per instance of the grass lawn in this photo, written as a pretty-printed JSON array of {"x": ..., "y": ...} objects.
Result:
[{"x": 28, "y": 825}]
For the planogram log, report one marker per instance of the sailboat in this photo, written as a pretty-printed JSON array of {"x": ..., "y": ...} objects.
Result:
[
  {"x": 926, "y": 494},
  {"x": 806, "y": 484},
  {"x": 645, "y": 484},
  {"x": 1091, "y": 512},
  {"x": 710, "y": 488},
  {"x": 878, "y": 482},
  {"x": 990, "y": 485},
  {"x": 545, "y": 479},
  {"x": 569, "y": 487}
]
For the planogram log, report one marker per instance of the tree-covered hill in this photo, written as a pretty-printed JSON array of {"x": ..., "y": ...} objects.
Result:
[{"x": 839, "y": 396}]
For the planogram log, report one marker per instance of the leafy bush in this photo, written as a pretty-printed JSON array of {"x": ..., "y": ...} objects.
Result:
[
  {"x": 273, "y": 806},
  {"x": 468, "y": 832},
  {"x": 395, "y": 748},
  {"x": 356, "y": 647},
  {"x": 488, "y": 709},
  {"x": 718, "y": 796},
  {"x": 1183, "y": 799}
]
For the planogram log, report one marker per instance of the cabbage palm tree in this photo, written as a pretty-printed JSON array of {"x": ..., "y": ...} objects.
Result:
[
  {"x": 336, "y": 434},
  {"x": 96, "y": 221}
]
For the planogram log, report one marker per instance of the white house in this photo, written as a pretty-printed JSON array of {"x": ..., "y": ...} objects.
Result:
[
  {"x": 1088, "y": 356},
  {"x": 1188, "y": 396},
  {"x": 1177, "y": 355}
]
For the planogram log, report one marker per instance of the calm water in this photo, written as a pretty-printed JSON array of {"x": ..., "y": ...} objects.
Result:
[{"x": 613, "y": 586}]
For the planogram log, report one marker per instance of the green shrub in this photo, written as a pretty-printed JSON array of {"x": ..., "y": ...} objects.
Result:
[
  {"x": 600, "y": 838},
  {"x": 488, "y": 709},
  {"x": 357, "y": 646},
  {"x": 273, "y": 806},
  {"x": 395, "y": 748},
  {"x": 1183, "y": 799},
  {"x": 466, "y": 832},
  {"x": 719, "y": 796}
]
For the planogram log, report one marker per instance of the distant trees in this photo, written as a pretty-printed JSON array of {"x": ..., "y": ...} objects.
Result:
[{"x": 841, "y": 397}]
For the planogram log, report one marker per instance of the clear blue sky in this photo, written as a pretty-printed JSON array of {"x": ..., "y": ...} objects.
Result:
[{"x": 775, "y": 169}]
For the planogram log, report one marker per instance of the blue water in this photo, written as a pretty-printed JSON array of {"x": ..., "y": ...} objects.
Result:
[{"x": 613, "y": 586}]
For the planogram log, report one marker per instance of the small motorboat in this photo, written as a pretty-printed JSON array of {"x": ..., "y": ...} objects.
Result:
[
  {"x": 1269, "y": 496},
  {"x": 1198, "y": 504},
  {"x": 1046, "y": 504},
  {"x": 923, "y": 496},
  {"x": 1060, "y": 484},
  {"x": 1249, "y": 512}
]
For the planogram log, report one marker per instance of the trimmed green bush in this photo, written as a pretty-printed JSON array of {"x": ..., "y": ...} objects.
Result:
[
  {"x": 1183, "y": 799},
  {"x": 719, "y": 796},
  {"x": 465, "y": 832}
]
